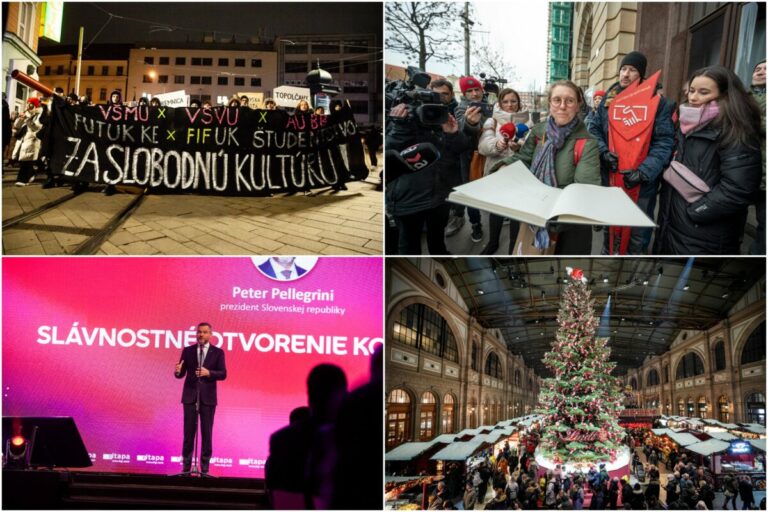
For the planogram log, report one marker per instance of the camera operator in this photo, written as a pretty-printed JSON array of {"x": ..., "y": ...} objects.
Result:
[
  {"x": 471, "y": 114},
  {"x": 419, "y": 197}
]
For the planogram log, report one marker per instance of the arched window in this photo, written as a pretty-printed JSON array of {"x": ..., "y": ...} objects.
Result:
[
  {"x": 754, "y": 348},
  {"x": 427, "y": 416},
  {"x": 691, "y": 410},
  {"x": 473, "y": 413},
  {"x": 517, "y": 378},
  {"x": 475, "y": 356},
  {"x": 447, "y": 414},
  {"x": 398, "y": 417},
  {"x": 681, "y": 407},
  {"x": 723, "y": 412},
  {"x": 653, "y": 378},
  {"x": 702, "y": 407},
  {"x": 718, "y": 359},
  {"x": 633, "y": 383},
  {"x": 666, "y": 374},
  {"x": 689, "y": 366},
  {"x": 756, "y": 408},
  {"x": 493, "y": 366},
  {"x": 530, "y": 383},
  {"x": 422, "y": 327}
]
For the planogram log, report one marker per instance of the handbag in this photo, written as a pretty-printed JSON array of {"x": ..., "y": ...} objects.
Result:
[
  {"x": 688, "y": 185},
  {"x": 476, "y": 166}
]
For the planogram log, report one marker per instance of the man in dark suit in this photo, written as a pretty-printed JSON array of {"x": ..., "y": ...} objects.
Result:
[
  {"x": 203, "y": 365},
  {"x": 282, "y": 268}
]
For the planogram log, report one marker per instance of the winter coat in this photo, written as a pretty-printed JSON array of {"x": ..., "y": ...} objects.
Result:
[
  {"x": 759, "y": 95},
  {"x": 470, "y": 498},
  {"x": 745, "y": 492},
  {"x": 30, "y": 144},
  {"x": 428, "y": 188},
  {"x": 588, "y": 168},
  {"x": 659, "y": 150},
  {"x": 471, "y": 130},
  {"x": 637, "y": 500},
  {"x": 489, "y": 137},
  {"x": 715, "y": 223}
]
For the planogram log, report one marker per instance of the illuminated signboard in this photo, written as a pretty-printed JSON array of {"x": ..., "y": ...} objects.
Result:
[
  {"x": 50, "y": 27},
  {"x": 738, "y": 447}
]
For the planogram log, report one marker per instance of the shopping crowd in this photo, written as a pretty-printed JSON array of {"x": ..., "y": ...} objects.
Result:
[
  {"x": 506, "y": 481},
  {"x": 700, "y": 165}
]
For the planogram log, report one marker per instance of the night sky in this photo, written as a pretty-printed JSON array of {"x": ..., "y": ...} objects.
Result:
[{"x": 190, "y": 20}]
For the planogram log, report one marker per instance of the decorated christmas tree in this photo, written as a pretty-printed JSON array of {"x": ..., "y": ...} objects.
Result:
[{"x": 581, "y": 403}]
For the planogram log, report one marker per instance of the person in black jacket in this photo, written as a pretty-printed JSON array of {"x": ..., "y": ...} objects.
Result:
[
  {"x": 418, "y": 198},
  {"x": 719, "y": 141}
]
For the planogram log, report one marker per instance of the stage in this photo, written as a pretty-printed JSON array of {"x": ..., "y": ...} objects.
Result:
[{"x": 61, "y": 489}]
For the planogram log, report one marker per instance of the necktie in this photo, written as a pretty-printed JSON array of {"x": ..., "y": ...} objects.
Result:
[
  {"x": 200, "y": 359},
  {"x": 286, "y": 273}
]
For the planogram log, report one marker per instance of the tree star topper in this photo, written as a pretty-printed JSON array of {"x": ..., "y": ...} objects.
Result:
[{"x": 576, "y": 274}]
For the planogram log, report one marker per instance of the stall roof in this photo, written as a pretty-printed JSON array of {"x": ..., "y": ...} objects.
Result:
[
  {"x": 708, "y": 447},
  {"x": 722, "y": 436},
  {"x": 758, "y": 443},
  {"x": 507, "y": 431},
  {"x": 755, "y": 428},
  {"x": 459, "y": 451},
  {"x": 505, "y": 423},
  {"x": 665, "y": 431},
  {"x": 408, "y": 451},
  {"x": 529, "y": 420},
  {"x": 683, "y": 438},
  {"x": 492, "y": 437}
]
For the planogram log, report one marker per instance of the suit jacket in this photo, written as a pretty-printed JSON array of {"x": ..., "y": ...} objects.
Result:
[
  {"x": 269, "y": 270},
  {"x": 214, "y": 362}
]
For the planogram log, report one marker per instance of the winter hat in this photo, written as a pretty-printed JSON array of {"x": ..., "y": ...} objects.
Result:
[
  {"x": 469, "y": 82},
  {"x": 34, "y": 101},
  {"x": 637, "y": 60},
  {"x": 599, "y": 93}
]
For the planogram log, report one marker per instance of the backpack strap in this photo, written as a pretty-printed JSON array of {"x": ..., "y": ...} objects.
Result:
[{"x": 578, "y": 149}]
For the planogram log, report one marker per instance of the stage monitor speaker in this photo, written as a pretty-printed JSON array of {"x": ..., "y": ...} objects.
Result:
[{"x": 56, "y": 440}]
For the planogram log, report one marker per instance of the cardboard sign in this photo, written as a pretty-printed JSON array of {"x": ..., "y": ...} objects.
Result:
[
  {"x": 288, "y": 96},
  {"x": 173, "y": 99}
]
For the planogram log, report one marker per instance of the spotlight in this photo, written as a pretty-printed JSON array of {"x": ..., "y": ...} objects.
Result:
[
  {"x": 480, "y": 292},
  {"x": 661, "y": 271},
  {"x": 686, "y": 287},
  {"x": 543, "y": 294},
  {"x": 645, "y": 282},
  {"x": 725, "y": 295},
  {"x": 605, "y": 280},
  {"x": 16, "y": 450}
]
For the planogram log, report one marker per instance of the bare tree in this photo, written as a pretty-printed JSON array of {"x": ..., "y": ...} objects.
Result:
[
  {"x": 423, "y": 30},
  {"x": 491, "y": 61}
]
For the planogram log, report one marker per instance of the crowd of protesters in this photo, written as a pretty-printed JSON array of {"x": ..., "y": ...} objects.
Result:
[{"x": 700, "y": 169}]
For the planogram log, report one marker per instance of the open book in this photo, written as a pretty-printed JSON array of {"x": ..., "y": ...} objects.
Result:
[{"x": 513, "y": 191}]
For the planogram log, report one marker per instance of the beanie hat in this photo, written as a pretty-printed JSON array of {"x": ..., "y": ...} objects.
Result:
[
  {"x": 469, "y": 82},
  {"x": 599, "y": 93},
  {"x": 637, "y": 60},
  {"x": 34, "y": 101}
]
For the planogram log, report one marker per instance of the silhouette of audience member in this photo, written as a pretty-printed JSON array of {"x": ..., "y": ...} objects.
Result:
[
  {"x": 299, "y": 452},
  {"x": 298, "y": 414},
  {"x": 360, "y": 419}
]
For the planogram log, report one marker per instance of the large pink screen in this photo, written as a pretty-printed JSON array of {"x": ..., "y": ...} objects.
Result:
[{"x": 97, "y": 339}]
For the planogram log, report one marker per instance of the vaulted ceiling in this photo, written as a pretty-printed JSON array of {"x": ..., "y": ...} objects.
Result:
[{"x": 651, "y": 299}]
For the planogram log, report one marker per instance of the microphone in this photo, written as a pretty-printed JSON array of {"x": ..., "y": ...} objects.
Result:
[
  {"x": 414, "y": 158},
  {"x": 521, "y": 129},
  {"x": 508, "y": 130}
]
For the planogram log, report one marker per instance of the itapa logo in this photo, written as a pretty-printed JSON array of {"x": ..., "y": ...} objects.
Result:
[
  {"x": 176, "y": 459},
  {"x": 253, "y": 463}
]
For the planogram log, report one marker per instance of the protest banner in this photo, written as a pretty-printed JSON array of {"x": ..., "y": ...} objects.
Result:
[{"x": 226, "y": 151}]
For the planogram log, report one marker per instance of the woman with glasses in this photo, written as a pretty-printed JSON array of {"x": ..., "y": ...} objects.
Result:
[
  {"x": 554, "y": 154},
  {"x": 495, "y": 145}
]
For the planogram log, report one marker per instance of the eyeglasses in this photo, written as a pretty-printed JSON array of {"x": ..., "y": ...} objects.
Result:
[{"x": 557, "y": 101}]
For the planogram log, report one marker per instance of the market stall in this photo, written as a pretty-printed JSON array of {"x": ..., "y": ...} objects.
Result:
[
  {"x": 414, "y": 458},
  {"x": 407, "y": 492}
]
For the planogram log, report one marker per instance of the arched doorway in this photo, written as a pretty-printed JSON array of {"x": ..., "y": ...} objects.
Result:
[
  {"x": 702, "y": 406},
  {"x": 754, "y": 406},
  {"x": 398, "y": 417},
  {"x": 473, "y": 413},
  {"x": 723, "y": 411},
  {"x": 427, "y": 416},
  {"x": 447, "y": 414}
]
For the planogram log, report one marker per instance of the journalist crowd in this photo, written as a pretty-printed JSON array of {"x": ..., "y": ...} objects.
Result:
[
  {"x": 695, "y": 171},
  {"x": 512, "y": 480}
]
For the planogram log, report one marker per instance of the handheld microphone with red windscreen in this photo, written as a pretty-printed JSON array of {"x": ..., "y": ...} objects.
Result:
[{"x": 508, "y": 130}]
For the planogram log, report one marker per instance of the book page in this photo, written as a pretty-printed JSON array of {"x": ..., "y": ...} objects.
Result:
[
  {"x": 512, "y": 191},
  {"x": 591, "y": 204}
]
